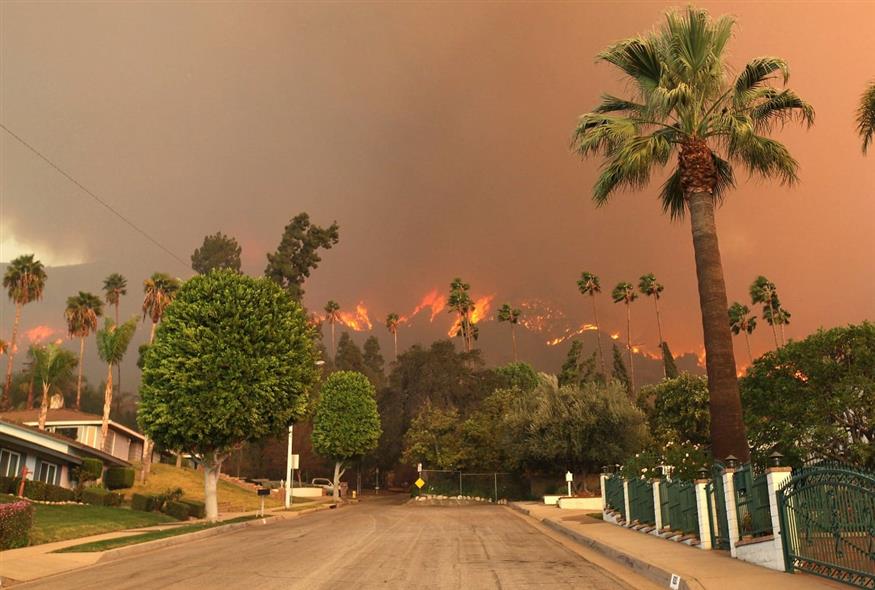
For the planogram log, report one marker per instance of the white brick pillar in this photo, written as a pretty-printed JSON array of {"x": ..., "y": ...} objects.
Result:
[
  {"x": 602, "y": 477},
  {"x": 657, "y": 505},
  {"x": 702, "y": 512},
  {"x": 776, "y": 477},
  {"x": 731, "y": 513},
  {"x": 626, "y": 500}
]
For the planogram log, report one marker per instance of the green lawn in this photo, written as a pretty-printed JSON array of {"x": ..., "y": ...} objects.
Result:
[{"x": 150, "y": 536}]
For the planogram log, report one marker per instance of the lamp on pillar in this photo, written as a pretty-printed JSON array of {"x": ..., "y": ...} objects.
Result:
[
  {"x": 776, "y": 459},
  {"x": 703, "y": 473},
  {"x": 731, "y": 462}
]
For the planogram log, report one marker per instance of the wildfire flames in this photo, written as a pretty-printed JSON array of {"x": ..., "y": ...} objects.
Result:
[
  {"x": 358, "y": 321},
  {"x": 481, "y": 308},
  {"x": 40, "y": 334},
  {"x": 433, "y": 301},
  {"x": 542, "y": 317},
  {"x": 567, "y": 335},
  {"x": 615, "y": 336}
]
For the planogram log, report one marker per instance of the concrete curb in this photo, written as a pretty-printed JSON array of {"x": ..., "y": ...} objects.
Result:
[{"x": 640, "y": 566}]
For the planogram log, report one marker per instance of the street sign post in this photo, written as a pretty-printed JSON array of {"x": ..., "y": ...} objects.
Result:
[{"x": 569, "y": 477}]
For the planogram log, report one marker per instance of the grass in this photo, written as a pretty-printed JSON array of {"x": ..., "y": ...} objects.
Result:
[
  {"x": 70, "y": 521},
  {"x": 149, "y": 536}
]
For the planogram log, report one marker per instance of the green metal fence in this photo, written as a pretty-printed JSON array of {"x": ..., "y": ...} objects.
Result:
[
  {"x": 716, "y": 498},
  {"x": 641, "y": 501},
  {"x": 683, "y": 514},
  {"x": 827, "y": 519},
  {"x": 752, "y": 503},
  {"x": 615, "y": 496},
  {"x": 663, "y": 502}
]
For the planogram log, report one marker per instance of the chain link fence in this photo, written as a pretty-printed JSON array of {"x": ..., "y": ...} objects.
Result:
[{"x": 498, "y": 486}]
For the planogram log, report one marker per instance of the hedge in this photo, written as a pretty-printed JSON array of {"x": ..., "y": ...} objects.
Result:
[
  {"x": 144, "y": 502},
  {"x": 196, "y": 508},
  {"x": 177, "y": 510},
  {"x": 117, "y": 478},
  {"x": 9, "y": 485},
  {"x": 101, "y": 497},
  {"x": 91, "y": 469},
  {"x": 16, "y": 520},
  {"x": 36, "y": 490}
]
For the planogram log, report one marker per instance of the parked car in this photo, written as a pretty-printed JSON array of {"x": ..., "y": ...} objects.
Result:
[{"x": 324, "y": 483}]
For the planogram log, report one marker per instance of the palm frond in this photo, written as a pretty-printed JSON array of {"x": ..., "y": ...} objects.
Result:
[
  {"x": 638, "y": 58},
  {"x": 764, "y": 156},
  {"x": 781, "y": 107},
  {"x": 632, "y": 161},
  {"x": 613, "y": 104},
  {"x": 601, "y": 133},
  {"x": 755, "y": 73},
  {"x": 866, "y": 117}
]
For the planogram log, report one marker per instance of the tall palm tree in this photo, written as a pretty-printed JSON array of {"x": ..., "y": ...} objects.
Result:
[
  {"x": 685, "y": 105},
  {"x": 159, "y": 291},
  {"x": 625, "y": 293},
  {"x": 866, "y": 116},
  {"x": 512, "y": 316},
  {"x": 114, "y": 286},
  {"x": 741, "y": 320},
  {"x": 52, "y": 364},
  {"x": 332, "y": 316},
  {"x": 82, "y": 313},
  {"x": 24, "y": 281},
  {"x": 763, "y": 292},
  {"x": 459, "y": 302},
  {"x": 589, "y": 284},
  {"x": 650, "y": 288},
  {"x": 112, "y": 344},
  {"x": 392, "y": 321}
]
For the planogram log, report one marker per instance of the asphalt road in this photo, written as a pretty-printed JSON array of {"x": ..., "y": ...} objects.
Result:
[{"x": 376, "y": 544}]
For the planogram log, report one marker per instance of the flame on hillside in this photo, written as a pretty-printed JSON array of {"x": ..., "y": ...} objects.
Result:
[
  {"x": 478, "y": 314},
  {"x": 433, "y": 301},
  {"x": 542, "y": 317},
  {"x": 40, "y": 333},
  {"x": 358, "y": 321},
  {"x": 701, "y": 356},
  {"x": 615, "y": 336},
  {"x": 568, "y": 334}
]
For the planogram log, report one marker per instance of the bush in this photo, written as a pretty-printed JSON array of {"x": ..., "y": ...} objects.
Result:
[
  {"x": 101, "y": 497},
  {"x": 35, "y": 490},
  {"x": 119, "y": 477},
  {"x": 143, "y": 502},
  {"x": 168, "y": 495},
  {"x": 9, "y": 485},
  {"x": 177, "y": 510},
  {"x": 91, "y": 470},
  {"x": 16, "y": 520},
  {"x": 58, "y": 494},
  {"x": 196, "y": 508}
]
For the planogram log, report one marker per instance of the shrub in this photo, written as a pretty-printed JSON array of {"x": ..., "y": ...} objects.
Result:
[
  {"x": 144, "y": 502},
  {"x": 196, "y": 508},
  {"x": 119, "y": 477},
  {"x": 168, "y": 495},
  {"x": 16, "y": 520},
  {"x": 35, "y": 490},
  {"x": 9, "y": 485},
  {"x": 58, "y": 494},
  {"x": 101, "y": 497},
  {"x": 177, "y": 510},
  {"x": 91, "y": 470}
]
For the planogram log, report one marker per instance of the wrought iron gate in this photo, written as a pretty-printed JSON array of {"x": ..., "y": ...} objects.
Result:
[
  {"x": 717, "y": 509},
  {"x": 827, "y": 517}
]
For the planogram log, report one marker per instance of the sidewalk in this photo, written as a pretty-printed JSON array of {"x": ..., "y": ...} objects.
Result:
[
  {"x": 38, "y": 561},
  {"x": 657, "y": 558}
]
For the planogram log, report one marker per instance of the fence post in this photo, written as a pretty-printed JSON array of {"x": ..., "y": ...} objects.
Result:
[
  {"x": 626, "y": 501},
  {"x": 603, "y": 476},
  {"x": 729, "y": 498},
  {"x": 776, "y": 477},
  {"x": 657, "y": 505},
  {"x": 702, "y": 511}
]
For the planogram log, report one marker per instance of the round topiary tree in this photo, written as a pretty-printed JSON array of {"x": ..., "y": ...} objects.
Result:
[
  {"x": 347, "y": 424},
  {"x": 232, "y": 362}
]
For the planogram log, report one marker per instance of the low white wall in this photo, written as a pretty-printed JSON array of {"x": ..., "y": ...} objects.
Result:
[
  {"x": 761, "y": 553},
  {"x": 307, "y": 492},
  {"x": 594, "y": 504},
  {"x": 551, "y": 500}
]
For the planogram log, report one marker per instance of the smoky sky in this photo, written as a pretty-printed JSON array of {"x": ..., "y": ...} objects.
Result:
[{"x": 436, "y": 135}]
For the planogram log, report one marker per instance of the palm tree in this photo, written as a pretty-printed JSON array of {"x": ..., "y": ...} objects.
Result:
[
  {"x": 392, "y": 321},
  {"x": 625, "y": 293},
  {"x": 332, "y": 316},
  {"x": 589, "y": 285},
  {"x": 112, "y": 344},
  {"x": 82, "y": 313},
  {"x": 459, "y": 302},
  {"x": 685, "y": 106},
  {"x": 24, "y": 281},
  {"x": 866, "y": 116},
  {"x": 114, "y": 286},
  {"x": 512, "y": 316},
  {"x": 159, "y": 291},
  {"x": 740, "y": 320},
  {"x": 763, "y": 292},
  {"x": 775, "y": 314},
  {"x": 650, "y": 288},
  {"x": 52, "y": 364}
]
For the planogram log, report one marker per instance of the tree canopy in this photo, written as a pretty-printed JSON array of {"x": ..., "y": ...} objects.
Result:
[
  {"x": 298, "y": 253},
  {"x": 217, "y": 252}
]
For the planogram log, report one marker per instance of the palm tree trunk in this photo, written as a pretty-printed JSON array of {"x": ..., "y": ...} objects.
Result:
[
  {"x": 747, "y": 341},
  {"x": 629, "y": 346},
  {"x": 782, "y": 333},
  {"x": 107, "y": 405},
  {"x": 30, "y": 389},
  {"x": 333, "y": 350},
  {"x": 395, "y": 338},
  {"x": 10, "y": 359},
  {"x": 513, "y": 337},
  {"x": 147, "y": 442},
  {"x": 598, "y": 333},
  {"x": 116, "y": 312},
  {"x": 659, "y": 329},
  {"x": 728, "y": 434},
  {"x": 44, "y": 406},
  {"x": 152, "y": 333},
  {"x": 79, "y": 378}
]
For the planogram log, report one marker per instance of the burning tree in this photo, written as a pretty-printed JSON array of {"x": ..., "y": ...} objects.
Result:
[{"x": 461, "y": 304}]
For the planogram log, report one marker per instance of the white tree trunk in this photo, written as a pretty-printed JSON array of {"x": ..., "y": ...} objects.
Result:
[
  {"x": 212, "y": 467},
  {"x": 338, "y": 473},
  {"x": 44, "y": 406},
  {"x": 107, "y": 405}
]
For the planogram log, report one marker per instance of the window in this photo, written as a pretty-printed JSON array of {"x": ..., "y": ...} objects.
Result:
[
  {"x": 69, "y": 432},
  {"x": 10, "y": 463},
  {"x": 47, "y": 473}
]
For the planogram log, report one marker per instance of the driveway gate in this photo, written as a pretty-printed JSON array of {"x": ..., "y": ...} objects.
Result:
[
  {"x": 717, "y": 509},
  {"x": 827, "y": 517}
]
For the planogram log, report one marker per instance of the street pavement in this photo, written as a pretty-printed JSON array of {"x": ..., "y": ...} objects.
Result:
[{"x": 379, "y": 543}]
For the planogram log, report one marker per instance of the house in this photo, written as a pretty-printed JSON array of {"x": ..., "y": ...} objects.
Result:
[
  {"x": 48, "y": 456},
  {"x": 123, "y": 443}
]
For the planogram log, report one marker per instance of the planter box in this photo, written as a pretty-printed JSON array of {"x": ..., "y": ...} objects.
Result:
[
  {"x": 551, "y": 500},
  {"x": 594, "y": 504}
]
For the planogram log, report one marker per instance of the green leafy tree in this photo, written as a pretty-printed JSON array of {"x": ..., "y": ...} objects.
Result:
[
  {"x": 815, "y": 398},
  {"x": 52, "y": 364},
  {"x": 347, "y": 424},
  {"x": 866, "y": 116},
  {"x": 374, "y": 362},
  {"x": 511, "y": 316},
  {"x": 742, "y": 322},
  {"x": 24, "y": 281},
  {"x": 763, "y": 292},
  {"x": 245, "y": 377},
  {"x": 624, "y": 293},
  {"x": 298, "y": 253},
  {"x": 650, "y": 288},
  {"x": 349, "y": 356},
  {"x": 434, "y": 439},
  {"x": 576, "y": 372},
  {"x": 217, "y": 252},
  {"x": 460, "y": 303},
  {"x": 159, "y": 291},
  {"x": 590, "y": 285},
  {"x": 686, "y": 105},
  {"x": 620, "y": 373},
  {"x": 114, "y": 286},
  {"x": 332, "y": 316},
  {"x": 669, "y": 367},
  {"x": 678, "y": 411},
  {"x": 112, "y": 345},
  {"x": 392, "y": 321},
  {"x": 81, "y": 314},
  {"x": 520, "y": 376}
]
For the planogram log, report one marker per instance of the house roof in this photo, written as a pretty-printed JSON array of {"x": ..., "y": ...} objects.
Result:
[
  {"x": 65, "y": 417},
  {"x": 77, "y": 447}
]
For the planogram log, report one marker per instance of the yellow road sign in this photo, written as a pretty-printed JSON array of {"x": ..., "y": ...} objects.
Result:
[{"x": 419, "y": 483}]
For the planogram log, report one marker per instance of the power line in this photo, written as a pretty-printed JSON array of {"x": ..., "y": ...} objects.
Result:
[{"x": 93, "y": 196}]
